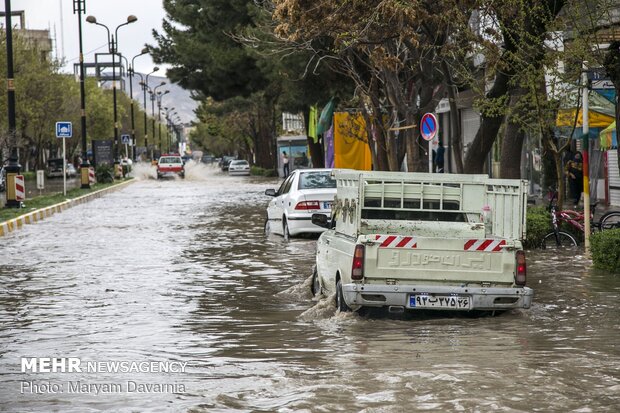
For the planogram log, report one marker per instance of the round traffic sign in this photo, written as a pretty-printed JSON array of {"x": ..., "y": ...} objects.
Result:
[{"x": 428, "y": 126}]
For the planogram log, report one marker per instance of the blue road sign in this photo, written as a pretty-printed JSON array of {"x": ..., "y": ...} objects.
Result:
[
  {"x": 428, "y": 126},
  {"x": 126, "y": 139},
  {"x": 64, "y": 129}
]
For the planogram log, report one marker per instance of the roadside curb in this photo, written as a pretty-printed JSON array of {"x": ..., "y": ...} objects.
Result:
[{"x": 40, "y": 214}]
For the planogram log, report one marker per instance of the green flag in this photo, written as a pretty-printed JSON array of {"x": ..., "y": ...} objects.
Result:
[
  {"x": 312, "y": 124},
  {"x": 325, "y": 120}
]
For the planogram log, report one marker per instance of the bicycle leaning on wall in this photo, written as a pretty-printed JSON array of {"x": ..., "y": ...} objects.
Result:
[{"x": 558, "y": 238}]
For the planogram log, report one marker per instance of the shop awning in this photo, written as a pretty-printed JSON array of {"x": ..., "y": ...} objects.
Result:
[
  {"x": 601, "y": 113},
  {"x": 609, "y": 137}
]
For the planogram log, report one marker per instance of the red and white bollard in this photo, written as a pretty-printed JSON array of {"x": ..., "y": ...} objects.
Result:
[{"x": 20, "y": 188}]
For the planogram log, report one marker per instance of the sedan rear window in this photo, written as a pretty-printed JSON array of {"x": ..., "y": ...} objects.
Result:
[{"x": 316, "y": 180}]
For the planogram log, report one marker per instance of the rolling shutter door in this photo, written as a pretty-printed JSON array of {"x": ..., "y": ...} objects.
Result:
[
  {"x": 614, "y": 177},
  {"x": 470, "y": 122}
]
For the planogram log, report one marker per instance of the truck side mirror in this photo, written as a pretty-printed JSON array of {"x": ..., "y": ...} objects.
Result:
[
  {"x": 321, "y": 220},
  {"x": 270, "y": 192}
]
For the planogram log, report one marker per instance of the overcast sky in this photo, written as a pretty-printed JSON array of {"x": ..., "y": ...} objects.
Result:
[{"x": 46, "y": 14}]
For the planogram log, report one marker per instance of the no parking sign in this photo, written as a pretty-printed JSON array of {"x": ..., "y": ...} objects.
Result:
[
  {"x": 428, "y": 126},
  {"x": 428, "y": 130}
]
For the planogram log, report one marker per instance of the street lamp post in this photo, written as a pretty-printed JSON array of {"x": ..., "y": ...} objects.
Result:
[
  {"x": 153, "y": 97},
  {"x": 13, "y": 168},
  {"x": 160, "y": 95},
  {"x": 79, "y": 7},
  {"x": 168, "y": 110},
  {"x": 145, "y": 87},
  {"x": 113, "y": 50},
  {"x": 131, "y": 72},
  {"x": 176, "y": 128}
]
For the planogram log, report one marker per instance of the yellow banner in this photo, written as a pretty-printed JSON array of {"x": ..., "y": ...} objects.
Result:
[
  {"x": 350, "y": 142},
  {"x": 566, "y": 117}
]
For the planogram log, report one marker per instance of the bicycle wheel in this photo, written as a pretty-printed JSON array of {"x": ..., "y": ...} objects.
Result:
[
  {"x": 563, "y": 240},
  {"x": 610, "y": 220}
]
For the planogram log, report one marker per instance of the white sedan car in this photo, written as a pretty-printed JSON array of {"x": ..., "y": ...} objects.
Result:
[
  {"x": 303, "y": 193},
  {"x": 238, "y": 167}
]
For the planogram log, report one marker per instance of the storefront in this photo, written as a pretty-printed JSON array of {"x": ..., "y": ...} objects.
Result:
[
  {"x": 296, "y": 150},
  {"x": 609, "y": 142}
]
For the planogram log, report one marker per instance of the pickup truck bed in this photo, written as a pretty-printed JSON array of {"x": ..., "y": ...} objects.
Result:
[{"x": 414, "y": 241}]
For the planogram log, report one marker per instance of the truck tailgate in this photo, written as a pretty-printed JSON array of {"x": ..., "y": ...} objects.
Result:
[{"x": 411, "y": 258}]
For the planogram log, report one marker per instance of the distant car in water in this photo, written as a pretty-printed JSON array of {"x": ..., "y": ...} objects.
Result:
[
  {"x": 225, "y": 161},
  {"x": 54, "y": 169},
  {"x": 239, "y": 167},
  {"x": 170, "y": 165},
  {"x": 71, "y": 171},
  {"x": 303, "y": 193}
]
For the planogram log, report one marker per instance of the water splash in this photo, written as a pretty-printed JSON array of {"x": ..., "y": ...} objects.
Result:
[
  {"x": 198, "y": 171},
  {"x": 143, "y": 171},
  {"x": 324, "y": 308}
]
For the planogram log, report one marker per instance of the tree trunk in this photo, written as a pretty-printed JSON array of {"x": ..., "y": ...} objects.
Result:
[
  {"x": 559, "y": 172},
  {"x": 487, "y": 132},
  {"x": 512, "y": 144},
  {"x": 456, "y": 140},
  {"x": 316, "y": 153},
  {"x": 377, "y": 147},
  {"x": 412, "y": 137},
  {"x": 381, "y": 158},
  {"x": 512, "y": 147},
  {"x": 263, "y": 145}
]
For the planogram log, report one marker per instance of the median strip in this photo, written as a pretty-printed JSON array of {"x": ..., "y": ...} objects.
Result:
[{"x": 40, "y": 214}]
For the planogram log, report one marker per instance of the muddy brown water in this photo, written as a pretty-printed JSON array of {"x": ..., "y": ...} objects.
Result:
[{"x": 181, "y": 271}]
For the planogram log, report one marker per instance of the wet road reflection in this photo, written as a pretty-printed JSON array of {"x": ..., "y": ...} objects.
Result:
[{"x": 180, "y": 270}]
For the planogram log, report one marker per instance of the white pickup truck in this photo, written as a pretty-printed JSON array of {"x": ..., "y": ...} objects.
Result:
[{"x": 423, "y": 241}]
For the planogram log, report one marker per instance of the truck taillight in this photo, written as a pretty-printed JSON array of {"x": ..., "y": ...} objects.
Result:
[
  {"x": 305, "y": 205},
  {"x": 357, "y": 270},
  {"x": 521, "y": 272}
]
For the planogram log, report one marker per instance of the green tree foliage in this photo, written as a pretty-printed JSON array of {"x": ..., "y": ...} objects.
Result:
[
  {"x": 393, "y": 51},
  {"x": 400, "y": 57},
  {"x": 38, "y": 95},
  {"x": 45, "y": 96},
  {"x": 225, "y": 50},
  {"x": 226, "y": 128},
  {"x": 197, "y": 42}
]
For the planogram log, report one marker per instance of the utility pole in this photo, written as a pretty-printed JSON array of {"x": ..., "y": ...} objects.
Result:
[
  {"x": 13, "y": 168},
  {"x": 79, "y": 7},
  {"x": 586, "y": 160}
]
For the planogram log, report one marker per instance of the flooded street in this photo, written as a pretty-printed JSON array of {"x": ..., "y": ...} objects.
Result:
[{"x": 181, "y": 271}]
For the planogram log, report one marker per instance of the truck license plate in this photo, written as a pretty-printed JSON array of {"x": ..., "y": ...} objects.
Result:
[{"x": 450, "y": 302}]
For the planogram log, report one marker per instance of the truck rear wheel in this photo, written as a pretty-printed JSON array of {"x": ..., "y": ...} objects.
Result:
[
  {"x": 340, "y": 303},
  {"x": 316, "y": 285}
]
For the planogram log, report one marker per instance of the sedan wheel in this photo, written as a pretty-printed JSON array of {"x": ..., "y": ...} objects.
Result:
[{"x": 285, "y": 232}]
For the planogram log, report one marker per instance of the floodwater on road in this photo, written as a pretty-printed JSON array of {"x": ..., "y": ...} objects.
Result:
[{"x": 179, "y": 273}]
